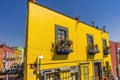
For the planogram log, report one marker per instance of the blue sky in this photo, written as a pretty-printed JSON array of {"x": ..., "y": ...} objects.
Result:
[{"x": 102, "y": 12}]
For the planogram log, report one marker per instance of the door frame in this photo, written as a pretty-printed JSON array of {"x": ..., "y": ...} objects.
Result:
[
  {"x": 81, "y": 64},
  {"x": 97, "y": 61}
]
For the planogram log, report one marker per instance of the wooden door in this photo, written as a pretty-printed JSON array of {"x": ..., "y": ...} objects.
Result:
[{"x": 97, "y": 71}]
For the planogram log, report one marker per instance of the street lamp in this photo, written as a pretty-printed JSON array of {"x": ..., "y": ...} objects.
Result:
[{"x": 40, "y": 58}]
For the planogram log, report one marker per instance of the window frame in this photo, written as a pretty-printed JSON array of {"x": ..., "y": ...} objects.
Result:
[
  {"x": 88, "y": 36},
  {"x": 57, "y": 27},
  {"x": 5, "y": 55},
  {"x": 104, "y": 42},
  {"x": 118, "y": 54}
]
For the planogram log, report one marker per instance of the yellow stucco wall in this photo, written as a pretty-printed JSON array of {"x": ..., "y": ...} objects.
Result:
[
  {"x": 41, "y": 35},
  {"x": 17, "y": 56}
]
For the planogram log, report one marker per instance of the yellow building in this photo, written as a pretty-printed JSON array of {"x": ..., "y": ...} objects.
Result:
[
  {"x": 71, "y": 49},
  {"x": 17, "y": 56}
]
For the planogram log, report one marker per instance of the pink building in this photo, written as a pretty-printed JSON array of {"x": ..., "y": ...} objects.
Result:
[
  {"x": 115, "y": 57},
  {"x": 6, "y": 56}
]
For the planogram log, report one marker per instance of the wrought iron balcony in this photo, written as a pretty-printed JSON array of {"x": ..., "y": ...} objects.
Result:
[
  {"x": 63, "y": 47},
  {"x": 93, "y": 49},
  {"x": 106, "y": 50}
]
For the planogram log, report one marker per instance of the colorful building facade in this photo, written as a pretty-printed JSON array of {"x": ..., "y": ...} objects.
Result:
[
  {"x": 6, "y": 57},
  {"x": 17, "y": 55},
  {"x": 71, "y": 49},
  {"x": 21, "y": 49},
  {"x": 115, "y": 57}
]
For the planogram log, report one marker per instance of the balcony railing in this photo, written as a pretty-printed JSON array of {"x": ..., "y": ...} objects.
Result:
[
  {"x": 63, "y": 46},
  {"x": 93, "y": 49},
  {"x": 106, "y": 50},
  {"x": 6, "y": 58}
]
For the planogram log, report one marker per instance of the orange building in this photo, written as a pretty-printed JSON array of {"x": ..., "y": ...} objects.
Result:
[{"x": 6, "y": 56}]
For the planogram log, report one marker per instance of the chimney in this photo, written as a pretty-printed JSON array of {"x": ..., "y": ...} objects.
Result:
[
  {"x": 77, "y": 18},
  {"x": 93, "y": 23},
  {"x": 33, "y": 0}
]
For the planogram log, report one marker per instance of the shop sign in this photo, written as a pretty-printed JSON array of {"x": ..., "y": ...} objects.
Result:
[
  {"x": 64, "y": 68},
  {"x": 34, "y": 66}
]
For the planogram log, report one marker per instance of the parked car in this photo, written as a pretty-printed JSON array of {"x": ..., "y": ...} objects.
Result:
[{"x": 13, "y": 73}]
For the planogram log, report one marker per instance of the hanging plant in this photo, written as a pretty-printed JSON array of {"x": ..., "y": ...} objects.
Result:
[{"x": 63, "y": 46}]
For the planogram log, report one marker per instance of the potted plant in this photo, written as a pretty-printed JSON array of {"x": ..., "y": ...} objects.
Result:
[
  {"x": 92, "y": 49},
  {"x": 63, "y": 46}
]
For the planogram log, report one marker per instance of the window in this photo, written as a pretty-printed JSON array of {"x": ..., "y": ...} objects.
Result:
[
  {"x": 13, "y": 56},
  {"x": 84, "y": 72},
  {"x": 104, "y": 43},
  {"x": 92, "y": 48},
  {"x": 52, "y": 76},
  {"x": 74, "y": 72},
  {"x": 62, "y": 44},
  {"x": 90, "y": 39},
  {"x": 5, "y": 54},
  {"x": 118, "y": 55},
  {"x": 61, "y": 33},
  {"x": 106, "y": 49}
]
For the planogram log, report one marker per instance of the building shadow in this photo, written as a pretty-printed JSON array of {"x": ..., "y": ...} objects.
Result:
[
  {"x": 59, "y": 56},
  {"x": 55, "y": 55},
  {"x": 105, "y": 55}
]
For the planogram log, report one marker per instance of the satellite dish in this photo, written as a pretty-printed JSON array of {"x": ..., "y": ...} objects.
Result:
[
  {"x": 104, "y": 28},
  {"x": 77, "y": 18},
  {"x": 93, "y": 23}
]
